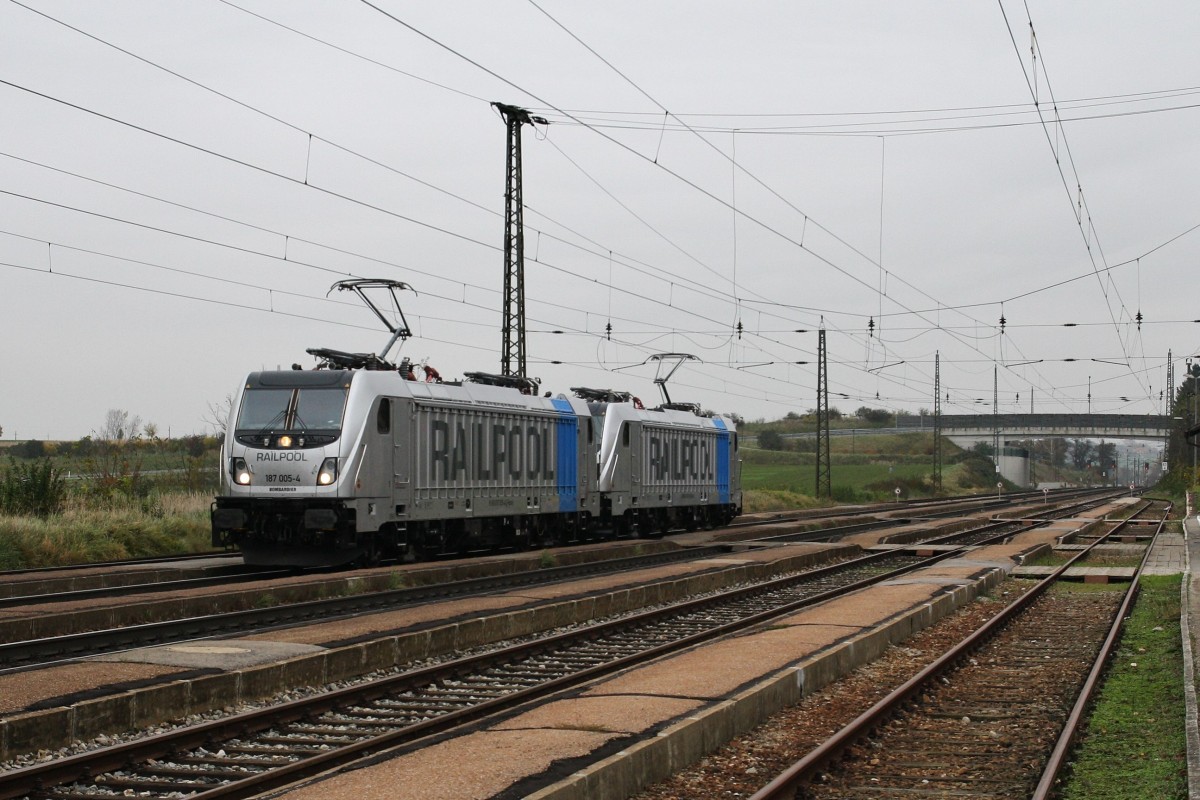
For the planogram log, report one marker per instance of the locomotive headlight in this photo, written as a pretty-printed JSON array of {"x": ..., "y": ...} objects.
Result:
[
  {"x": 240, "y": 472},
  {"x": 328, "y": 473},
  {"x": 285, "y": 441}
]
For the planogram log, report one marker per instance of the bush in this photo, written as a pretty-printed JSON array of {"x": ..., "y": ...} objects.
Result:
[
  {"x": 37, "y": 489},
  {"x": 875, "y": 416},
  {"x": 759, "y": 500},
  {"x": 771, "y": 439},
  {"x": 30, "y": 449},
  {"x": 848, "y": 494},
  {"x": 977, "y": 472},
  {"x": 909, "y": 487}
]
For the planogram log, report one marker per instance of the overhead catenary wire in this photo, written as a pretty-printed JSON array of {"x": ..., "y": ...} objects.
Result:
[
  {"x": 932, "y": 327},
  {"x": 214, "y": 153},
  {"x": 998, "y": 108},
  {"x": 857, "y": 130},
  {"x": 1082, "y": 212},
  {"x": 309, "y": 135},
  {"x": 389, "y": 14},
  {"x": 664, "y": 109}
]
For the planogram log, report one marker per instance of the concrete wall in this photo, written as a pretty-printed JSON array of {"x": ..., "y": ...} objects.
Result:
[{"x": 1014, "y": 465}]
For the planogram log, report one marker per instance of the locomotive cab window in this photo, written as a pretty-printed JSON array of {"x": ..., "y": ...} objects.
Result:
[
  {"x": 383, "y": 420},
  {"x": 281, "y": 409},
  {"x": 263, "y": 408}
]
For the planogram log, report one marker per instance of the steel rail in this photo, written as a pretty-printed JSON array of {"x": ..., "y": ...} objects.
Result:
[
  {"x": 787, "y": 783},
  {"x": 821, "y": 534},
  {"x": 1067, "y": 739},
  {"x": 978, "y": 502},
  {"x": 130, "y": 562},
  {"x": 179, "y": 584},
  {"x": 32, "y": 652}
]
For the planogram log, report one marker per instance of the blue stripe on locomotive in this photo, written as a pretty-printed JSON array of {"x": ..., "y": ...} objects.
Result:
[
  {"x": 568, "y": 456},
  {"x": 722, "y": 460}
]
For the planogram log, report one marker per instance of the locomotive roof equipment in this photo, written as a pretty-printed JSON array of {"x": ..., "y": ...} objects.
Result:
[
  {"x": 343, "y": 360},
  {"x": 519, "y": 382},
  {"x": 602, "y": 395},
  {"x": 660, "y": 380}
]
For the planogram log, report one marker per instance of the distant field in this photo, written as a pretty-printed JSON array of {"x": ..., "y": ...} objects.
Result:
[{"x": 801, "y": 478}]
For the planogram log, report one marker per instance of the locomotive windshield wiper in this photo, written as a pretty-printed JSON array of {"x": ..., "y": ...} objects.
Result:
[
  {"x": 287, "y": 413},
  {"x": 270, "y": 424}
]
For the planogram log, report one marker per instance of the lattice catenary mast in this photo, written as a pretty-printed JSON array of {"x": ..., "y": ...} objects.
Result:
[
  {"x": 512, "y": 347},
  {"x": 824, "y": 473},
  {"x": 937, "y": 423}
]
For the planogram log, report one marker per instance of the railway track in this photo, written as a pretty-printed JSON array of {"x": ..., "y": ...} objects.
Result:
[
  {"x": 993, "y": 718},
  {"x": 921, "y": 510},
  {"x": 63, "y": 591},
  {"x": 1090, "y": 500},
  {"x": 248, "y": 753},
  {"x": 40, "y": 651},
  {"x": 129, "y": 562}
]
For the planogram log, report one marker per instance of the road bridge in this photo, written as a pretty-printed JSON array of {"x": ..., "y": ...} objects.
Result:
[{"x": 1011, "y": 427}]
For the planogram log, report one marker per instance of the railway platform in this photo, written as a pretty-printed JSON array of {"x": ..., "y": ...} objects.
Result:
[
  {"x": 609, "y": 740},
  {"x": 138, "y": 688},
  {"x": 1187, "y": 551}
]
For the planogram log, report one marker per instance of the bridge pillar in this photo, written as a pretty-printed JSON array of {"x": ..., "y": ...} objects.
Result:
[{"x": 1014, "y": 465}]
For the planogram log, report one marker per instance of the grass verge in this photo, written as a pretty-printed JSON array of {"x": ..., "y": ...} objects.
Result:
[
  {"x": 161, "y": 525},
  {"x": 1134, "y": 745}
]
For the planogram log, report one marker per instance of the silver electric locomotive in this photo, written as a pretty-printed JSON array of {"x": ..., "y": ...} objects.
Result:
[{"x": 358, "y": 460}]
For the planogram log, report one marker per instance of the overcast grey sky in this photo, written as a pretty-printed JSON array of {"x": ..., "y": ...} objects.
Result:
[{"x": 180, "y": 183}]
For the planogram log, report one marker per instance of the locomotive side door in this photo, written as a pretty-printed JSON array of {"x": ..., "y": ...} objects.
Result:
[
  {"x": 403, "y": 453},
  {"x": 633, "y": 434},
  {"x": 376, "y": 473}
]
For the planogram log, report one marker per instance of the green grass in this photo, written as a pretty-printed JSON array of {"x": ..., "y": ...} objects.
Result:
[
  {"x": 1080, "y": 587},
  {"x": 165, "y": 524},
  {"x": 1057, "y": 559},
  {"x": 778, "y": 485},
  {"x": 1134, "y": 746},
  {"x": 801, "y": 478},
  {"x": 758, "y": 500}
]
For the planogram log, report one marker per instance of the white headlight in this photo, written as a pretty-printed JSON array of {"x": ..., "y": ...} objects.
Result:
[{"x": 328, "y": 472}]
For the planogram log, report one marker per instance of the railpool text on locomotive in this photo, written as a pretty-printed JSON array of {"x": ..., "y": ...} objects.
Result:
[
  {"x": 487, "y": 452},
  {"x": 682, "y": 459},
  {"x": 293, "y": 455}
]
